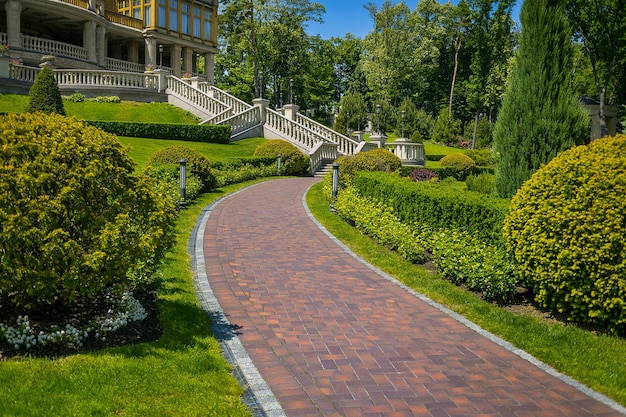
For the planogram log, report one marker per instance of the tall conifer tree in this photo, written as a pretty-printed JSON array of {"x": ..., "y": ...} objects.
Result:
[{"x": 540, "y": 114}]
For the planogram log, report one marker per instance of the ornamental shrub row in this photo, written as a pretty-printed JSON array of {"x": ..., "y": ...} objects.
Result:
[
  {"x": 447, "y": 172},
  {"x": 377, "y": 220},
  {"x": 437, "y": 207},
  {"x": 191, "y": 133},
  {"x": 293, "y": 161}
]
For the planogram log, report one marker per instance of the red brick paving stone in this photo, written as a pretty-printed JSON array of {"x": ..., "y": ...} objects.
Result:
[{"x": 332, "y": 337}]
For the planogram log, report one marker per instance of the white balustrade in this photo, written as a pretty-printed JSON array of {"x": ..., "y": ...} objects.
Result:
[
  {"x": 22, "y": 73},
  {"x": 302, "y": 135},
  {"x": 237, "y": 106},
  {"x": 92, "y": 78},
  {"x": 347, "y": 146},
  {"x": 51, "y": 47},
  {"x": 409, "y": 153},
  {"x": 323, "y": 152},
  {"x": 244, "y": 121},
  {"x": 195, "y": 96},
  {"x": 126, "y": 66}
]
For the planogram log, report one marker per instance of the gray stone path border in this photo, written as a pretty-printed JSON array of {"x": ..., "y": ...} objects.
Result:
[{"x": 258, "y": 395}]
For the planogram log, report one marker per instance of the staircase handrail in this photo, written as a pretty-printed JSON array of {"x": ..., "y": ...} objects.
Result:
[
  {"x": 322, "y": 153},
  {"x": 243, "y": 121},
  {"x": 193, "y": 95},
  {"x": 219, "y": 118},
  {"x": 300, "y": 134},
  {"x": 347, "y": 146},
  {"x": 237, "y": 105}
]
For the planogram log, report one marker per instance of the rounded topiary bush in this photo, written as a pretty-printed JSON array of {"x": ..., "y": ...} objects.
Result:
[
  {"x": 390, "y": 161},
  {"x": 75, "y": 219},
  {"x": 567, "y": 230},
  {"x": 44, "y": 95},
  {"x": 197, "y": 164},
  {"x": 457, "y": 160},
  {"x": 293, "y": 161}
]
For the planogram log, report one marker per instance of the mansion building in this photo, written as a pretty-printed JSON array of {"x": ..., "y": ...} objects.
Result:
[{"x": 121, "y": 35}]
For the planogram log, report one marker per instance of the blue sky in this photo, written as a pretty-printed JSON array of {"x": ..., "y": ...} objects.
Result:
[{"x": 343, "y": 16}]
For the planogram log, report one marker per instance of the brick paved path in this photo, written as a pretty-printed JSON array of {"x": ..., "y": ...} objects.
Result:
[{"x": 333, "y": 338}]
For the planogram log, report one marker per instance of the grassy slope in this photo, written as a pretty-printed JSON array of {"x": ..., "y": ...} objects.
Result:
[{"x": 183, "y": 373}]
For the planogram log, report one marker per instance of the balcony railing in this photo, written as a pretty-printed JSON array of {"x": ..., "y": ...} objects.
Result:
[
  {"x": 124, "y": 20},
  {"x": 80, "y": 3}
]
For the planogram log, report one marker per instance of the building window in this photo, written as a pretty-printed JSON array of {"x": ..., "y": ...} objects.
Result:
[
  {"x": 207, "y": 25},
  {"x": 147, "y": 15},
  {"x": 162, "y": 14},
  {"x": 197, "y": 21},
  {"x": 174, "y": 15},
  {"x": 185, "y": 29}
]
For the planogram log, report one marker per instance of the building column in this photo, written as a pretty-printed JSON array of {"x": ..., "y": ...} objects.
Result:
[
  {"x": 14, "y": 11},
  {"x": 188, "y": 60},
  {"x": 89, "y": 40},
  {"x": 209, "y": 67},
  {"x": 133, "y": 51},
  {"x": 101, "y": 45},
  {"x": 152, "y": 56},
  {"x": 175, "y": 56}
]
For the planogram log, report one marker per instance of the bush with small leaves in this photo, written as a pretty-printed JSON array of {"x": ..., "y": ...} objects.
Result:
[
  {"x": 293, "y": 161},
  {"x": 197, "y": 164},
  {"x": 482, "y": 183},
  {"x": 457, "y": 160},
  {"x": 75, "y": 217},
  {"x": 567, "y": 231}
]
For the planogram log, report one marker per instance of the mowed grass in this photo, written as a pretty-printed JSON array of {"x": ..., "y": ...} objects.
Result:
[
  {"x": 181, "y": 374},
  {"x": 595, "y": 360}
]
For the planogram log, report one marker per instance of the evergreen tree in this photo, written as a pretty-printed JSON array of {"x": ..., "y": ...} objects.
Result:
[
  {"x": 44, "y": 95},
  {"x": 446, "y": 129},
  {"x": 540, "y": 114}
]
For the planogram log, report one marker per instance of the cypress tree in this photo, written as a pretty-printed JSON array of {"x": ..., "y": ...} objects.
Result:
[
  {"x": 44, "y": 95},
  {"x": 541, "y": 114}
]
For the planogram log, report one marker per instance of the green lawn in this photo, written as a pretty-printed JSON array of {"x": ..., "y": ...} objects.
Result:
[{"x": 595, "y": 360}]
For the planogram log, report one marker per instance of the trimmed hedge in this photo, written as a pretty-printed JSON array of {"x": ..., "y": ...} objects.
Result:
[
  {"x": 255, "y": 161},
  {"x": 438, "y": 207},
  {"x": 172, "y": 131},
  {"x": 446, "y": 172},
  {"x": 197, "y": 164}
]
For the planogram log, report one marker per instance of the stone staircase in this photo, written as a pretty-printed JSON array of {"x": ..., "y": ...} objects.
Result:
[{"x": 215, "y": 106}]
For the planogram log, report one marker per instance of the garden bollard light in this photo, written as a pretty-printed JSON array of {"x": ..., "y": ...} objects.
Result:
[
  {"x": 183, "y": 179},
  {"x": 280, "y": 165},
  {"x": 335, "y": 179}
]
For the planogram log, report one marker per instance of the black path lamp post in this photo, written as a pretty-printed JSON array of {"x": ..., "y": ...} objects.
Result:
[
  {"x": 403, "y": 113},
  {"x": 183, "y": 179},
  {"x": 335, "y": 179},
  {"x": 160, "y": 56},
  {"x": 378, "y": 113}
]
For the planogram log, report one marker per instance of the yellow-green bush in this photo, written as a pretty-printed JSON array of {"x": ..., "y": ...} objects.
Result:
[
  {"x": 567, "y": 231},
  {"x": 457, "y": 160},
  {"x": 390, "y": 161},
  {"x": 374, "y": 160},
  {"x": 74, "y": 217},
  {"x": 293, "y": 161},
  {"x": 197, "y": 164}
]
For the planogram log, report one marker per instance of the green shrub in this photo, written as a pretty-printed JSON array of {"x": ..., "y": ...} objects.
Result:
[
  {"x": 293, "y": 161},
  {"x": 567, "y": 231},
  {"x": 75, "y": 218},
  {"x": 457, "y": 160},
  {"x": 44, "y": 95},
  {"x": 197, "y": 164},
  {"x": 235, "y": 174},
  {"x": 168, "y": 175},
  {"x": 107, "y": 99},
  {"x": 465, "y": 258},
  {"x": 376, "y": 219},
  {"x": 186, "y": 132},
  {"x": 482, "y": 157},
  {"x": 390, "y": 161},
  {"x": 483, "y": 183},
  {"x": 436, "y": 206},
  {"x": 76, "y": 98}
]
